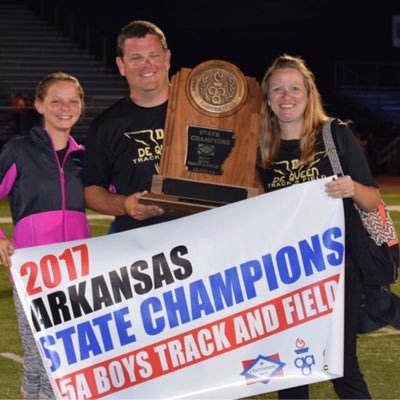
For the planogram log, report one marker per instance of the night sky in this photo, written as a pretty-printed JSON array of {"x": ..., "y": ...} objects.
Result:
[{"x": 251, "y": 33}]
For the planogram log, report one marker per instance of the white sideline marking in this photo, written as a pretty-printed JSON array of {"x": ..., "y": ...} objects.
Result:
[
  {"x": 110, "y": 217},
  {"x": 91, "y": 217},
  {"x": 385, "y": 331},
  {"x": 13, "y": 357}
]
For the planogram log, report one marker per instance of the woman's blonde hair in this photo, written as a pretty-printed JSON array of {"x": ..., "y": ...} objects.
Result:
[{"x": 314, "y": 114}]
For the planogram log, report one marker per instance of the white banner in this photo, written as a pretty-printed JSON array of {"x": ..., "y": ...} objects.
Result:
[{"x": 228, "y": 303}]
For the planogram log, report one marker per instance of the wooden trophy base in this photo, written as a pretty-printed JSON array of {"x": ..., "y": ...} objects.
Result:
[
  {"x": 181, "y": 197},
  {"x": 173, "y": 205}
]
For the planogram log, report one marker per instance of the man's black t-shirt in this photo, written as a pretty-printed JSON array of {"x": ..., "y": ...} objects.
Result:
[{"x": 123, "y": 150}]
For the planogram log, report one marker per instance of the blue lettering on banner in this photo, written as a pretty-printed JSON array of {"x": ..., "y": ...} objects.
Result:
[
  {"x": 87, "y": 339},
  {"x": 181, "y": 305},
  {"x": 288, "y": 265},
  {"x": 335, "y": 258},
  {"x": 230, "y": 287}
]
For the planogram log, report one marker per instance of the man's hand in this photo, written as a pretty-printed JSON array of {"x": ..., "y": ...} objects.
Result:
[{"x": 139, "y": 211}]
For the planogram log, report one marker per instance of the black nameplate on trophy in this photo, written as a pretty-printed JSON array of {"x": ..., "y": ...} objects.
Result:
[
  {"x": 208, "y": 148},
  {"x": 202, "y": 191}
]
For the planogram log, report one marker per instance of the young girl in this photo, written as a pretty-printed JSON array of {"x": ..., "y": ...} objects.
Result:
[{"x": 41, "y": 175}]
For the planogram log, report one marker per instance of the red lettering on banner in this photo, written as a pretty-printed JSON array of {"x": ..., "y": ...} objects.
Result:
[
  {"x": 200, "y": 344},
  {"x": 50, "y": 271}
]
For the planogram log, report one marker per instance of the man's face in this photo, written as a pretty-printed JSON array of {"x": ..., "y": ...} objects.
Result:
[{"x": 145, "y": 65}]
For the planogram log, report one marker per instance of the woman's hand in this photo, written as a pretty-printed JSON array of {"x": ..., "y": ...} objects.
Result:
[
  {"x": 341, "y": 187},
  {"x": 6, "y": 251},
  {"x": 366, "y": 197}
]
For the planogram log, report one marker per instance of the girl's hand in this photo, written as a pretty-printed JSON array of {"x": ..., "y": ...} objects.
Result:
[{"x": 6, "y": 251}]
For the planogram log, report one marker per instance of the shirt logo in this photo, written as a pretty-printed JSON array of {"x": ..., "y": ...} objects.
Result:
[{"x": 149, "y": 145}]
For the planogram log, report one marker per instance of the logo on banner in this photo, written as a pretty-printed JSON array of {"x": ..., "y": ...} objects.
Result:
[
  {"x": 262, "y": 369},
  {"x": 305, "y": 360}
]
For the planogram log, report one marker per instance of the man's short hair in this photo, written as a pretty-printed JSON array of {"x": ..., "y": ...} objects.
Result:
[{"x": 139, "y": 29}]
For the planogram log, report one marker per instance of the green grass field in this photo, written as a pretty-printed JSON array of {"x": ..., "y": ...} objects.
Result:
[{"x": 379, "y": 352}]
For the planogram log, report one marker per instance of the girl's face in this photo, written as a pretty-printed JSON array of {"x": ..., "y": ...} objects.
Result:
[
  {"x": 287, "y": 95},
  {"x": 61, "y": 107}
]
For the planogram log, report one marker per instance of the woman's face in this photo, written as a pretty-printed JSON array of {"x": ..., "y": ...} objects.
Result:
[{"x": 287, "y": 95}]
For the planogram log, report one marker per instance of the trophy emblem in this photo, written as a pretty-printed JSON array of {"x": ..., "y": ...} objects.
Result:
[{"x": 216, "y": 87}]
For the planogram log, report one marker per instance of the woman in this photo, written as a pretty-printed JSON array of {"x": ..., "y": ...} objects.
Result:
[
  {"x": 41, "y": 175},
  {"x": 291, "y": 152}
]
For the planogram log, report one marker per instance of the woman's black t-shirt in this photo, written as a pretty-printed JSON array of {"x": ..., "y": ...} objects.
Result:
[{"x": 287, "y": 171}]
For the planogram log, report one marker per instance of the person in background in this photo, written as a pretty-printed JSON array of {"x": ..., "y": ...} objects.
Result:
[
  {"x": 124, "y": 143},
  {"x": 29, "y": 115},
  {"x": 18, "y": 104},
  {"x": 41, "y": 175},
  {"x": 291, "y": 142}
]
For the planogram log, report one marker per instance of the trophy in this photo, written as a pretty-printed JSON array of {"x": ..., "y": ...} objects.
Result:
[{"x": 210, "y": 143}]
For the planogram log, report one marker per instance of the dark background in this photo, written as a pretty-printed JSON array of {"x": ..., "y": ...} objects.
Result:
[
  {"x": 348, "y": 44},
  {"x": 251, "y": 33}
]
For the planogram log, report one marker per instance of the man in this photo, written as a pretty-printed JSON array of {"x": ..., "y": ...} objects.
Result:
[{"x": 124, "y": 143}]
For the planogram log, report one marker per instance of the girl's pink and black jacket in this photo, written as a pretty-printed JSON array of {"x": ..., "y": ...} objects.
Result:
[{"x": 46, "y": 198}]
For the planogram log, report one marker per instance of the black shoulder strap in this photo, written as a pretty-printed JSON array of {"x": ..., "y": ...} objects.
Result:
[{"x": 331, "y": 148}]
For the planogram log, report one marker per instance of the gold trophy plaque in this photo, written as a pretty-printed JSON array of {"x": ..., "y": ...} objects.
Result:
[{"x": 210, "y": 140}]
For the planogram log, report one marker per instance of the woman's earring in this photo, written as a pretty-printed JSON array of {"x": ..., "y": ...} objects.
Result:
[{"x": 269, "y": 103}]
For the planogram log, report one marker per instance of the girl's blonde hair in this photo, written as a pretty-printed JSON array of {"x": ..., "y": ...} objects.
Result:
[{"x": 44, "y": 85}]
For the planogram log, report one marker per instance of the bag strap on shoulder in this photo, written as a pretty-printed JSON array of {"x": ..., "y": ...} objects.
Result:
[{"x": 331, "y": 148}]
